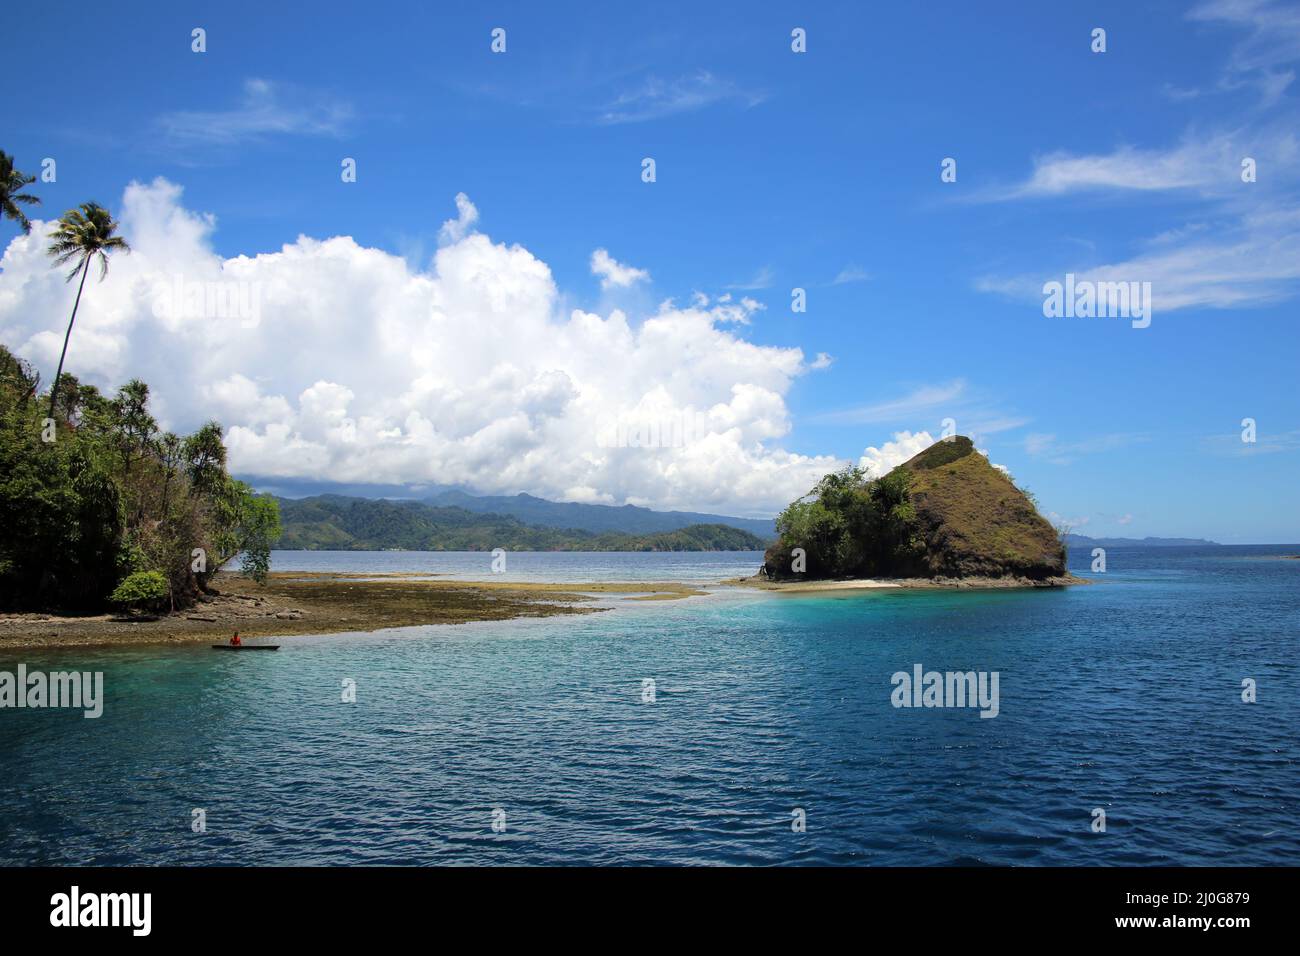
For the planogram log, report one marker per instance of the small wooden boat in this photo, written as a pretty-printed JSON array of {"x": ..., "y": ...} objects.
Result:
[{"x": 245, "y": 647}]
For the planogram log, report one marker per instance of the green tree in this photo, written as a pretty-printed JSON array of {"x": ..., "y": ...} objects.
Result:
[
  {"x": 259, "y": 530},
  {"x": 134, "y": 427},
  {"x": 60, "y": 519},
  {"x": 111, "y": 497},
  {"x": 141, "y": 590},
  {"x": 242, "y": 523},
  {"x": 850, "y": 526},
  {"x": 204, "y": 455},
  {"x": 895, "y": 519},
  {"x": 83, "y": 234},
  {"x": 12, "y": 183},
  {"x": 18, "y": 380}
]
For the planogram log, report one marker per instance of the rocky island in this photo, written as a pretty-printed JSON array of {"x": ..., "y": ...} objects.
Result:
[{"x": 946, "y": 517}]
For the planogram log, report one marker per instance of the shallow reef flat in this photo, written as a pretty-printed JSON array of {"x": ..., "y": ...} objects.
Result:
[{"x": 298, "y": 602}]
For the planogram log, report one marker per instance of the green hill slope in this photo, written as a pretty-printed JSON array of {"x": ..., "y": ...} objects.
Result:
[
  {"x": 975, "y": 521},
  {"x": 946, "y": 513},
  {"x": 334, "y": 523},
  {"x": 627, "y": 519}
]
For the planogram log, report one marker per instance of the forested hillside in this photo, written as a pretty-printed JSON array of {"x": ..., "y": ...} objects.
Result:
[{"x": 331, "y": 522}]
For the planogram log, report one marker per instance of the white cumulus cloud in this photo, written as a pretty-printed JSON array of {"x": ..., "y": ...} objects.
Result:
[
  {"x": 454, "y": 230},
  {"x": 880, "y": 461},
  {"x": 359, "y": 368},
  {"x": 613, "y": 274},
  {"x": 906, "y": 445}
]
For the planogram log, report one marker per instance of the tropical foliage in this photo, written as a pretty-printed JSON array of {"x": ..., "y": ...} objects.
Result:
[
  {"x": 97, "y": 494},
  {"x": 852, "y": 526},
  {"x": 12, "y": 196},
  {"x": 84, "y": 235},
  {"x": 141, "y": 590}
]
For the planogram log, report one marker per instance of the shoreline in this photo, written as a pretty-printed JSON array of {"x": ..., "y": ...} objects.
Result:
[
  {"x": 295, "y": 603},
  {"x": 298, "y": 603},
  {"x": 762, "y": 583}
]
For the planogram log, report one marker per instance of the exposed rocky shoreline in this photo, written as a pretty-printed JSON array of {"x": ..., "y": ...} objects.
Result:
[
  {"x": 293, "y": 603},
  {"x": 301, "y": 603}
]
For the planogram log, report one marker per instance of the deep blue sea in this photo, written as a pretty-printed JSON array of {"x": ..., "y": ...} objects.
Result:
[{"x": 1123, "y": 696}]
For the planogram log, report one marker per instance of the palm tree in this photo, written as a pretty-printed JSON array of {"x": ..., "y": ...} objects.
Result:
[
  {"x": 83, "y": 234},
  {"x": 11, "y": 183}
]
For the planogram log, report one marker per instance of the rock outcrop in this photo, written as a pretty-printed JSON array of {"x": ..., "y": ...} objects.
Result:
[{"x": 958, "y": 517}]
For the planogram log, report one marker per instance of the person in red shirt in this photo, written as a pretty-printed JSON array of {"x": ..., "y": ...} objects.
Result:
[{"x": 235, "y": 641}]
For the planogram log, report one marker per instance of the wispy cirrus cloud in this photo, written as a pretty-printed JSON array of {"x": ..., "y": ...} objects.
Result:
[
  {"x": 1272, "y": 42},
  {"x": 656, "y": 97},
  {"x": 762, "y": 280},
  {"x": 1188, "y": 165},
  {"x": 1058, "y": 452},
  {"x": 1206, "y": 164},
  {"x": 973, "y": 413},
  {"x": 920, "y": 401},
  {"x": 851, "y": 273},
  {"x": 265, "y": 109},
  {"x": 1266, "y": 443},
  {"x": 1253, "y": 260},
  {"x": 1238, "y": 243}
]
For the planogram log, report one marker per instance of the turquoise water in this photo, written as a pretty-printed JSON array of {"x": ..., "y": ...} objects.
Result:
[{"x": 1124, "y": 695}]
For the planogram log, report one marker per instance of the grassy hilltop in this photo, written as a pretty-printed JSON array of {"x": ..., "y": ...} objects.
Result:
[{"x": 944, "y": 513}]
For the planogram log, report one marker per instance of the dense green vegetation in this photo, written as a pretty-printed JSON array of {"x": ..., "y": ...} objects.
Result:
[
  {"x": 945, "y": 513},
  {"x": 141, "y": 590},
  {"x": 97, "y": 505},
  {"x": 851, "y": 526},
  {"x": 331, "y": 522}
]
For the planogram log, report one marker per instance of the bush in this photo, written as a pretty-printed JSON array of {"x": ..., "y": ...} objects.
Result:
[
  {"x": 101, "y": 493},
  {"x": 850, "y": 526},
  {"x": 141, "y": 590}
]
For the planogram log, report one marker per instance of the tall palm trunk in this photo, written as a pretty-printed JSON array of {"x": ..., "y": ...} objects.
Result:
[{"x": 54, "y": 389}]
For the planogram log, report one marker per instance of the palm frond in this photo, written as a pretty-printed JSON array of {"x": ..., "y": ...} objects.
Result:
[
  {"x": 10, "y": 211},
  {"x": 86, "y": 232},
  {"x": 12, "y": 182},
  {"x": 66, "y": 256}
]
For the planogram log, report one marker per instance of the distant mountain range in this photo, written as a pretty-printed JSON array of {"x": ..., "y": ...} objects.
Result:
[
  {"x": 454, "y": 520},
  {"x": 628, "y": 518},
  {"x": 1083, "y": 541},
  {"x": 336, "y": 522}
]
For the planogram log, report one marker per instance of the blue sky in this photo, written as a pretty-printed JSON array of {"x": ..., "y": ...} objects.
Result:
[{"x": 774, "y": 170}]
